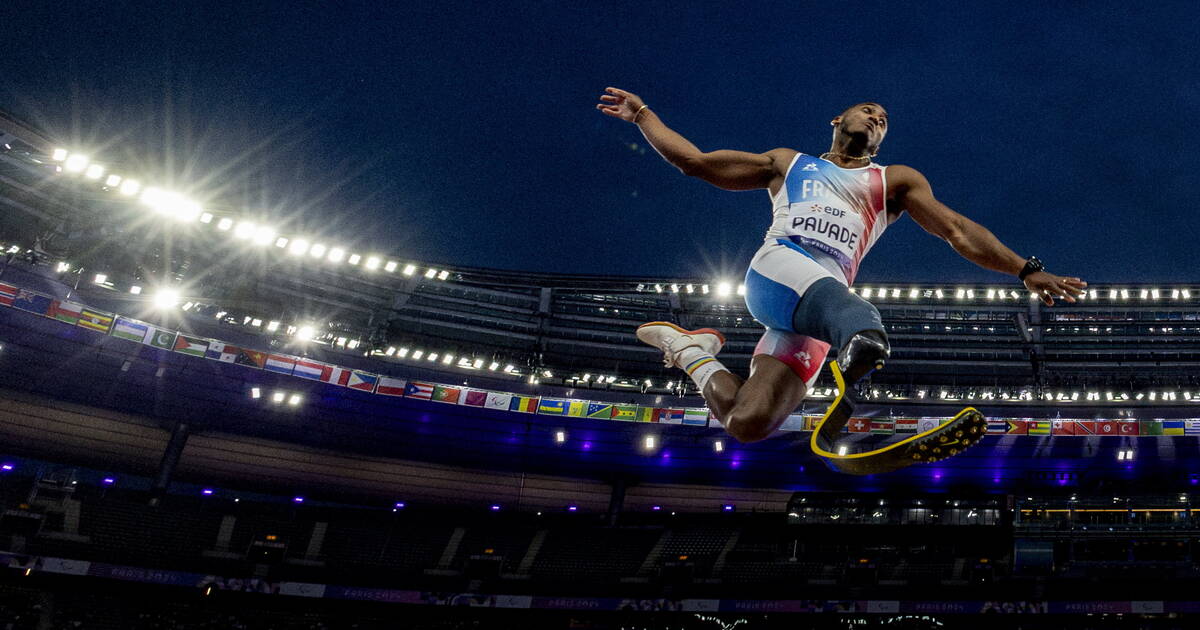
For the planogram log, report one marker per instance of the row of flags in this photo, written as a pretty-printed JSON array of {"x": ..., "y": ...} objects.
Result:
[{"x": 148, "y": 334}]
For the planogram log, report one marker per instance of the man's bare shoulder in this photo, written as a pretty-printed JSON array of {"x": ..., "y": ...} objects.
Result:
[
  {"x": 782, "y": 157},
  {"x": 901, "y": 177}
]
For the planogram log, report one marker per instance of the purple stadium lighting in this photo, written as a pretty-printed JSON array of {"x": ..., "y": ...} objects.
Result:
[
  {"x": 572, "y": 508},
  {"x": 207, "y": 492},
  {"x": 6, "y": 466},
  {"x": 495, "y": 507},
  {"x": 656, "y": 508},
  {"x": 298, "y": 500},
  {"x": 108, "y": 481},
  {"x": 399, "y": 505},
  {"x": 727, "y": 508}
]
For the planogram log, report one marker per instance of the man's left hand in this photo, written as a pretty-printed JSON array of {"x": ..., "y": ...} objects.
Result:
[{"x": 1048, "y": 286}]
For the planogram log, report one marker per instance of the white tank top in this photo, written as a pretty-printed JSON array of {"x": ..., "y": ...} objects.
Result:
[{"x": 827, "y": 209}]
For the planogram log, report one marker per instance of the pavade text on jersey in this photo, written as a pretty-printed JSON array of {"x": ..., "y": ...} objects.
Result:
[{"x": 821, "y": 227}]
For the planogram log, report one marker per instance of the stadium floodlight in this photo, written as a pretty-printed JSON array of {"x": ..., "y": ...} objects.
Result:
[
  {"x": 718, "y": 446},
  {"x": 293, "y": 401},
  {"x": 896, "y": 292},
  {"x": 373, "y": 262},
  {"x": 62, "y": 266},
  {"x": 724, "y": 289},
  {"x": 225, "y": 224},
  {"x": 658, "y": 288},
  {"x": 130, "y": 187},
  {"x": 741, "y": 290},
  {"x": 403, "y": 352},
  {"x": 493, "y": 366},
  {"x": 960, "y": 294},
  {"x": 59, "y": 155},
  {"x": 704, "y": 289},
  {"x": 263, "y": 235},
  {"x": 842, "y": 450},
  {"x": 317, "y": 250},
  {"x": 206, "y": 217},
  {"x": 272, "y": 326},
  {"x": 1186, "y": 293},
  {"x": 417, "y": 354},
  {"x": 244, "y": 229},
  {"x": 447, "y": 359},
  {"x": 970, "y": 294},
  {"x": 336, "y": 254},
  {"x": 298, "y": 247},
  {"x": 304, "y": 333},
  {"x": 509, "y": 368},
  {"x": 354, "y": 259},
  {"x": 432, "y": 356},
  {"x": 649, "y": 442},
  {"x": 166, "y": 298},
  {"x": 430, "y": 273},
  {"x": 1124, "y": 294},
  {"x": 913, "y": 293},
  {"x": 939, "y": 294},
  {"x": 256, "y": 322},
  {"x": 410, "y": 269},
  {"x": 477, "y": 363},
  {"x": 443, "y": 274},
  {"x": 1154, "y": 293},
  {"x": 991, "y": 294},
  {"x": 674, "y": 288},
  {"x": 586, "y": 377},
  {"x": 75, "y": 163},
  {"x": 690, "y": 288},
  {"x": 100, "y": 278},
  {"x": 135, "y": 290},
  {"x": 560, "y": 436},
  {"x": 278, "y": 397},
  {"x": 281, "y": 242},
  {"x": 94, "y": 171},
  {"x": 866, "y": 293},
  {"x": 255, "y": 392}
]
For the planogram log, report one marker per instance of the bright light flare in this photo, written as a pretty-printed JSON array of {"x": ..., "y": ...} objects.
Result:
[
  {"x": 166, "y": 298},
  {"x": 130, "y": 187},
  {"x": 76, "y": 163}
]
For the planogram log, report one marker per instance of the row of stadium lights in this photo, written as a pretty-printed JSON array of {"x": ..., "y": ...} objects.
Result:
[{"x": 724, "y": 289}]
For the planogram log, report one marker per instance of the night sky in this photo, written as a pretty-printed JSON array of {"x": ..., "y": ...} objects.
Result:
[{"x": 466, "y": 133}]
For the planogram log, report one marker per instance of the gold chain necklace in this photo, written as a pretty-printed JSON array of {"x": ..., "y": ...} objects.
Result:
[{"x": 849, "y": 157}]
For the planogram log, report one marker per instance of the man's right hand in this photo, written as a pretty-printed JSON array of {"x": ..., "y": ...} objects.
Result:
[{"x": 620, "y": 104}]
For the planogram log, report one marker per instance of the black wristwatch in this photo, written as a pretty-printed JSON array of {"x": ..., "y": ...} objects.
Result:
[{"x": 1032, "y": 265}]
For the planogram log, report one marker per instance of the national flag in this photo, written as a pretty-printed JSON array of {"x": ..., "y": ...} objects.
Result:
[
  {"x": 1062, "y": 427},
  {"x": 523, "y": 404},
  {"x": 130, "y": 329},
  {"x": 95, "y": 320},
  {"x": 1085, "y": 427},
  {"x": 577, "y": 408},
  {"x": 629, "y": 413},
  {"x": 906, "y": 426},
  {"x": 474, "y": 398},
  {"x": 997, "y": 426},
  {"x": 599, "y": 410},
  {"x": 7, "y": 294},
  {"x": 1039, "y": 427},
  {"x": 444, "y": 394},
  {"x": 1107, "y": 427},
  {"x": 884, "y": 427},
  {"x": 859, "y": 425},
  {"x": 645, "y": 414},
  {"x": 1154, "y": 427},
  {"x": 32, "y": 302},
  {"x": 221, "y": 351},
  {"x": 1173, "y": 427},
  {"x": 811, "y": 422},
  {"x": 929, "y": 424},
  {"x": 335, "y": 375},
  {"x": 1017, "y": 427},
  {"x": 366, "y": 381},
  {"x": 497, "y": 400},
  {"x": 695, "y": 417},
  {"x": 389, "y": 386},
  {"x": 280, "y": 363},
  {"x": 548, "y": 407},
  {"x": 1191, "y": 427},
  {"x": 1129, "y": 428},
  {"x": 307, "y": 368},
  {"x": 192, "y": 346},
  {"x": 251, "y": 358},
  {"x": 65, "y": 311},
  {"x": 670, "y": 416},
  {"x": 159, "y": 338}
]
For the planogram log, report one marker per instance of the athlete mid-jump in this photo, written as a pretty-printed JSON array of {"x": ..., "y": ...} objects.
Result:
[{"x": 827, "y": 212}]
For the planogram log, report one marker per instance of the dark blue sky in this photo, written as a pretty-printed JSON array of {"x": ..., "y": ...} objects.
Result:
[{"x": 465, "y": 133}]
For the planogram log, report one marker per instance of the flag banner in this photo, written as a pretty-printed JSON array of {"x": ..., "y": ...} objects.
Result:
[
  {"x": 280, "y": 363},
  {"x": 95, "y": 320},
  {"x": 1085, "y": 427},
  {"x": 1173, "y": 427},
  {"x": 192, "y": 346},
  {"x": 1107, "y": 427},
  {"x": 811, "y": 422},
  {"x": 221, "y": 351},
  {"x": 929, "y": 424},
  {"x": 628, "y": 413},
  {"x": 65, "y": 311},
  {"x": 498, "y": 400},
  {"x": 1129, "y": 427},
  {"x": 599, "y": 410},
  {"x": 670, "y": 416},
  {"x": 577, "y": 408},
  {"x": 906, "y": 426},
  {"x": 309, "y": 369},
  {"x": 995, "y": 426},
  {"x": 159, "y": 338},
  {"x": 883, "y": 427},
  {"x": 474, "y": 398},
  {"x": 1153, "y": 427},
  {"x": 335, "y": 375},
  {"x": 32, "y": 302},
  {"x": 7, "y": 294},
  {"x": 417, "y": 390},
  {"x": 366, "y": 381},
  {"x": 1017, "y": 427},
  {"x": 444, "y": 394},
  {"x": 1191, "y": 427},
  {"x": 645, "y": 414},
  {"x": 794, "y": 422},
  {"x": 523, "y": 404},
  {"x": 859, "y": 425},
  {"x": 1062, "y": 427},
  {"x": 389, "y": 386},
  {"x": 695, "y": 417},
  {"x": 1038, "y": 427},
  {"x": 550, "y": 407},
  {"x": 251, "y": 358}
]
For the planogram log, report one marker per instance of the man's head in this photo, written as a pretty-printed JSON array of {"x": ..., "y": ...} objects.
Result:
[{"x": 865, "y": 122}]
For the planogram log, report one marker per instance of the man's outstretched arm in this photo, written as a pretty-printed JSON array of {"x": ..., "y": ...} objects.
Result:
[
  {"x": 973, "y": 241},
  {"x": 731, "y": 170}
]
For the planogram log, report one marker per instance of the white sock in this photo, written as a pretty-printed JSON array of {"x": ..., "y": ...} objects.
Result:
[{"x": 699, "y": 365}]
